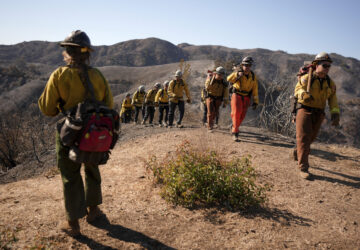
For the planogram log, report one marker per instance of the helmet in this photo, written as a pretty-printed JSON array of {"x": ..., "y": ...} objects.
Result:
[
  {"x": 178, "y": 73},
  {"x": 141, "y": 88},
  {"x": 166, "y": 84},
  {"x": 247, "y": 61},
  {"x": 77, "y": 38},
  {"x": 157, "y": 85},
  {"x": 220, "y": 71},
  {"x": 127, "y": 94},
  {"x": 323, "y": 56}
]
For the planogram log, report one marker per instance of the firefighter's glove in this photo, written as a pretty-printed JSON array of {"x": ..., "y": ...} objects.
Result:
[
  {"x": 307, "y": 97},
  {"x": 254, "y": 106},
  {"x": 188, "y": 101},
  {"x": 335, "y": 119},
  {"x": 156, "y": 104},
  {"x": 224, "y": 105}
]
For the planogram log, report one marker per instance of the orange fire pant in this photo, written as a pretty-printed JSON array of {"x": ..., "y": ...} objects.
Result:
[{"x": 239, "y": 106}]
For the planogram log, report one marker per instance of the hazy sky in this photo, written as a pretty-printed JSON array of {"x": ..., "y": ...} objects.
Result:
[{"x": 293, "y": 26}]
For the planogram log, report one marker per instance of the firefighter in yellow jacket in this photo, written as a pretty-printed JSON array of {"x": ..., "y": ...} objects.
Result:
[
  {"x": 126, "y": 109},
  {"x": 162, "y": 101},
  {"x": 310, "y": 108},
  {"x": 176, "y": 92},
  {"x": 217, "y": 93},
  {"x": 150, "y": 103},
  {"x": 244, "y": 85},
  {"x": 138, "y": 100},
  {"x": 63, "y": 91}
]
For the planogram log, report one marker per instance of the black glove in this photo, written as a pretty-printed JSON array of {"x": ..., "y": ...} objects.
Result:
[
  {"x": 188, "y": 101},
  {"x": 335, "y": 119},
  {"x": 254, "y": 106}
]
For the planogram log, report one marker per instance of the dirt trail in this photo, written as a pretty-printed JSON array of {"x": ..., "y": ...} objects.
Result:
[{"x": 319, "y": 214}]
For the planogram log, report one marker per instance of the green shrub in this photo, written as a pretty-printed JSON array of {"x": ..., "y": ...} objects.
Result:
[{"x": 193, "y": 178}]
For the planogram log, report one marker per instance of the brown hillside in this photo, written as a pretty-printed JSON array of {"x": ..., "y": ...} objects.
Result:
[{"x": 318, "y": 214}]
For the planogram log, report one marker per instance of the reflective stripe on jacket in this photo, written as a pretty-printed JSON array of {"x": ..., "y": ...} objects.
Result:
[
  {"x": 245, "y": 85},
  {"x": 64, "y": 86},
  {"x": 320, "y": 93}
]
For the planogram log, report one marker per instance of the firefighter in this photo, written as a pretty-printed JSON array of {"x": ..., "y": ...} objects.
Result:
[
  {"x": 138, "y": 102},
  {"x": 245, "y": 86},
  {"x": 150, "y": 103},
  {"x": 126, "y": 109},
  {"x": 217, "y": 94},
  {"x": 310, "y": 108},
  {"x": 176, "y": 90},
  {"x": 162, "y": 101},
  {"x": 63, "y": 91}
]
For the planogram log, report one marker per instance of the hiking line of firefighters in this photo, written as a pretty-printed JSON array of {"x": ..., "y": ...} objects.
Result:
[
  {"x": 215, "y": 93},
  {"x": 313, "y": 89}
]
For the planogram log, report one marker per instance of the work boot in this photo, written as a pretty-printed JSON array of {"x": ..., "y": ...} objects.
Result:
[
  {"x": 165, "y": 124},
  {"x": 71, "y": 227},
  {"x": 93, "y": 213},
  {"x": 179, "y": 125},
  {"x": 143, "y": 123},
  {"x": 235, "y": 137},
  {"x": 160, "y": 125},
  {"x": 305, "y": 174}
]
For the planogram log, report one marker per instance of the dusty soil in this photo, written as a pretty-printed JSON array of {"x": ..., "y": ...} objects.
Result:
[{"x": 322, "y": 213}]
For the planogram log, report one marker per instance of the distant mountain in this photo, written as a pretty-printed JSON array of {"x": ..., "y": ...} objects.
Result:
[{"x": 25, "y": 68}]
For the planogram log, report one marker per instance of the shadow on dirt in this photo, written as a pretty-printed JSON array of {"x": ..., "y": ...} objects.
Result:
[
  {"x": 331, "y": 156},
  {"x": 121, "y": 233},
  {"x": 355, "y": 184},
  {"x": 278, "y": 215},
  {"x": 283, "y": 217}
]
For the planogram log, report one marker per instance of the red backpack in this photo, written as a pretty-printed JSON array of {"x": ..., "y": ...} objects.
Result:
[{"x": 90, "y": 129}]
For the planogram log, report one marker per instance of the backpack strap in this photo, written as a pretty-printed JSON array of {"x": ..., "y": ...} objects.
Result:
[{"x": 253, "y": 75}]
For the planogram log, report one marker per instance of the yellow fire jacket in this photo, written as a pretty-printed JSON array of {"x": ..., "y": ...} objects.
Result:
[
  {"x": 64, "y": 85},
  {"x": 162, "y": 96},
  {"x": 176, "y": 89},
  {"x": 126, "y": 105},
  {"x": 150, "y": 97},
  {"x": 217, "y": 88},
  {"x": 138, "y": 98},
  {"x": 319, "y": 93},
  {"x": 245, "y": 85}
]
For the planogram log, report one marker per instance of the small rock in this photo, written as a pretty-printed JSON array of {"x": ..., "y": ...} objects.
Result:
[
  {"x": 355, "y": 223},
  {"x": 253, "y": 230},
  {"x": 16, "y": 201},
  {"x": 320, "y": 201},
  {"x": 142, "y": 177}
]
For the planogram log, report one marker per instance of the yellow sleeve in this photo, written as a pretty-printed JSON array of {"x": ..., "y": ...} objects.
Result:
[
  {"x": 332, "y": 100},
  {"x": 207, "y": 82},
  {"x": 171, "y": 88},
  {"x": 187, "y": 92},
  {"x": 158, "y": 95},
  {"x": 50, "y": 98},
  {"x": 108, "y": 100},
  {"x": 255, "y": 92},
  {"x": 232, "y": 77},
  {"x": 301, "y": 86}
]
